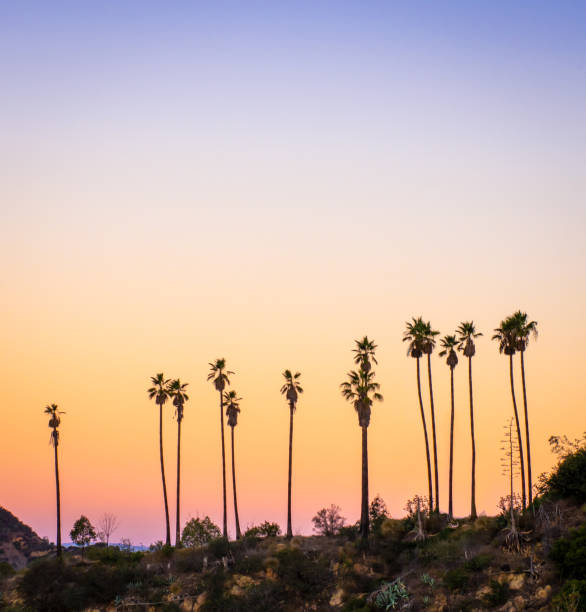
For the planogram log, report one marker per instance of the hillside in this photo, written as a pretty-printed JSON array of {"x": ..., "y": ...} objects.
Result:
[{"x": 18, "y": 542}]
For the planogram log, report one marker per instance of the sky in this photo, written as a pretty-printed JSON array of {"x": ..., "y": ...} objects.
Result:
[{"x": 267, "y": 182}]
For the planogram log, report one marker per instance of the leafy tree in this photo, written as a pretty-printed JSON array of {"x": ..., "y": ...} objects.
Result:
[
  {"x": 160, "y": 393},
  {"x": 291, "y": 390},
  {"x": 377, "y": 513},
  {"x": 177, "y": 392},
  {"x": 415, "y": 336},
  {"x": 232, "y": 410},
  {"x": 198, "y": 532},
  {"x": 466, "y": 336},
  {"x": 568, "y": 479},
  {"x": 264, "y": 530},
  {"x": 219, "y": 375},
  {"x": 449, "y": 346},
  {"x": 54, "y": 423},
  {"x": 83, "y": 533},
  {"x": 328, "y": 521}
]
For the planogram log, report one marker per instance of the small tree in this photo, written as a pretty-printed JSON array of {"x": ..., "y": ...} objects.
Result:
[
  {"x": 378, "y": 512},
  {"x": 328, "y": 521},
  {"x": 264, "y": 530},
  {"x": 198, "y": 532},
  {"x": 108, "y": 525},
  {"x": 83, "y": 533}
]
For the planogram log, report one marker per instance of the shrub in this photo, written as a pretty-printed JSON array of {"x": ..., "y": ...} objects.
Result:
[
  {"x": 455, "y": 579},
  {"x": 478, "y": 563},
  {"x": 350, "y": 532},
  {"x": 377, "y": 513},
  {"x": 264, "y": 530},
  {"x": 328, "y": 521},
  {"x": 390, "y": 595},
  {"x": 198, "y": 532},
  {"x": 568, "y": 479},
  {"x": 300, "y": 573},
  {"x": 219, "y": 547},
  {"x": 572, "y": 596},
  {"x": 6, "y": 570},
  {"x": 498, "y": 595},
  {"x": 569, "y": 554},
  {"x": 189, "y": 560}
]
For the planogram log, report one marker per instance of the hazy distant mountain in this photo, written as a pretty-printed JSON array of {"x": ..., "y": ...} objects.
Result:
[{"x": 18, "y": 542}]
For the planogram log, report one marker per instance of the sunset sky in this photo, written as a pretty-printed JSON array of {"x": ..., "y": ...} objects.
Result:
[{"x": 266, "y": 182}]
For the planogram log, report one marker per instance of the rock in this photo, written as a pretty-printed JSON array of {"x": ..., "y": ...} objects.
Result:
[
  {"x": 337, "y": 598},
  {"x": 543, "y": 593}
]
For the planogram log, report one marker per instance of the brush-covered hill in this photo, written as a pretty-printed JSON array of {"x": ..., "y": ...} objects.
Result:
[{"x": 18, "y": 542}]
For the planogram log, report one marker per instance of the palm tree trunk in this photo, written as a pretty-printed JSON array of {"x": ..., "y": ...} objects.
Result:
[
  {"x": 168, "y": 535},
  {"x": 178, "y": 525},
  {"x": 238, "y": 534},
  {"x": 519, "y": 439},
  {"x": 225, "y": 522},
  {"x": 450, "y": 507},
  {"x": 364, "y": 504},
  {"x": 59, "y": 551},
  {"x": 425, "y": 436},
  {"x": 435, "y": 469},
  {"x": 473, "y": 514},
  {"x": 289, "y": 528},
  {"x": 528, "y": 445}
]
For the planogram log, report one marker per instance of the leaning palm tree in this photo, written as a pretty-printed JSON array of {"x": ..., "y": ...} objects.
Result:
[
  {"x": 232, "y": 400},
  {"x": 506, "y": 335},
  {"x": 54, "y": 422},
  {"x": 160, "y": 392},
  {"x": 362, "y": 390},
  {"x": 177, "y": 392},
  {"x": 414, "y": 335},
  {"x": 290, "y": 390},
  {"x": 219, "y": 375},
  {"x": 449, "y": 344},
  {"x": 466, "y": 335},
  {"x": 524, "y": 329},
  {"x": 429, "y": 335}
]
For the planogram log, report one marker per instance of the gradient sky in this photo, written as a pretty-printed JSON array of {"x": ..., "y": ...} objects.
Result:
[{"x": 268, "y": 181}]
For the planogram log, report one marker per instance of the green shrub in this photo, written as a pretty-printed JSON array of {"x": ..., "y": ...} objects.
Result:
[
  {"x": 189, "y": 560},
  {"x": 112, "y": 555},
  {"x": 568, "y": 480},
  {"x": 455, "y": 579},
  {"x": 219, "y": 547},
  {"x": 569, "y": 554},
  {"x": 264, "y": 530},
  {"x": 478, "y": 563},
  {"x": 498, "y": 595},
  {"x": 572, "y": 597},
  {"x": 302, "y": 574},
  {"x": 248, "y": 564}
]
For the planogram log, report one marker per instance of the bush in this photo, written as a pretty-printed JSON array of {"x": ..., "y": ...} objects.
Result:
[
  {"x": 571, "y": 597},
  {"x": 377, "y": 513},
  {"x": 328, "y": 521},
  {"x": 568, "y": 479},
  {"x": 478, "y": 563},
  {"x": 198, "y": 532},
  {"x": 569, "y": 554},
  {"x": 264, "y": 530},
  {"x": 498, "y": 595},
  {"x": 300, "y": 573},
  {"x": 113, "y": 555},
  {"x": 6, "y": 570},
  {"x": 455, "y": 579},
  {"x": 219, "y": 547},
  {"x": 189, "y": 560}
]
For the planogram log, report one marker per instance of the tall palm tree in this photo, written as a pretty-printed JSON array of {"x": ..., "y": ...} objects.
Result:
[
  {"x": 232, "y": 400},
  {"x": 414, "y": 335},
  {"x": 523, "y": 330},
  {"x": 362, "y": 391},
  {"x": 219, "y": 375},
  {"x": 506, "y": 335},
  {"x": 177, "y": 392},
  {"x": 54, "y": 422},
  {"x": 429, "y": 335},
  {"x": 449, "y": 344},
  {"x": 364, "y": 350},
  {"x": 466, "y": 335},
  {"x": 290, "y": 389},
  {"x": 160, "y": 392}
]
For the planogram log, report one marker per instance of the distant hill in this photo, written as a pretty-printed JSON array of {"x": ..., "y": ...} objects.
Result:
[{"x": 18, "y": 542}]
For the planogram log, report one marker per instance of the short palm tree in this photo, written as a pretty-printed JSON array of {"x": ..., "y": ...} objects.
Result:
[
  {"x": 415, "y": 335},
  {"x": 362, "y": 391},
  {"x": 291, "y": 390},
  {"x": 177, "y": 392},
  {"x": 219, "y": 375},
  {"x": 506, "y": 336},
  {"x": 160, "y": 392},
  {"x": 232, "y": 402},
  {"x": 54, "y": 423},
  {"x": 466, "y": 335},
  {"x": 524, "y": 329},
  {"x": 449, "y": 345},
  {"x": 429, "y": 335}
]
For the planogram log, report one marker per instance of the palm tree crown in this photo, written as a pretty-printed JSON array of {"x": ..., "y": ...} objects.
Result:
[
  {"x": 176, "y": 390},
  {"x": 54, "y": 422},
  {"x": 364, "y": 350},
  {"x": 291, "y": 388},
  {"x": 429, "y": 335},
  {"x": 218, "y": 375},
  {"x": 160, "y": 389},
  {"x": 449, "y": 344},
  {"x": 523, "y": 329},
  {"x": 466, "y": 334},
  {"x": 415, "y": 335},
  {"x": 232, "y": 400},
  {"x": 506, "y": 335},
  {"x": 361, "y": 390}
]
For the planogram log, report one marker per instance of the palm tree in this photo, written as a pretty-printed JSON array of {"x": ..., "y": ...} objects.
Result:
[
  {"x": 414, "y": 334},
  {"x": 364, "y": 350},
  {"x": 290, "y": 390},
  {"x": 506, "y": 335},
  {"x": 362, "y": 390},
  {"x": 160, "y": 392},
  {"x": 466, "y": 335},
  {"x": 449, "y": 343},
  {"x": 177, "y": 392},
  {"x": 219, "y": 375},
  {"x": 54, "y": 422},
  {"x": 428, "y": 346},
  {"x": 523, "y": 330},
  {"x": 232, "y": 409}
]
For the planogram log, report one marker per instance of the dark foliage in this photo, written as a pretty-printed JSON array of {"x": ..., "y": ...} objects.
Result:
[
  {"x": 498, "y": 595},
  {"x": 264, "y": 530},
  {"x": 569, "y": 554},
  {"x": 568, "y": 480},
  {"x": 219, "y": 547},
  {"x": 303, "y": 574},
  {"x": 456, "y": 579}
]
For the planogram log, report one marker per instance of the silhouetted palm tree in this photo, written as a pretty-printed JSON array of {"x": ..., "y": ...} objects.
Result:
[
  {"x": 364, "y": 350},
  {"x": 362, "y": 390},
  {"x": 415, "y": 335},
  {"x": 219, "y": 375},
  {"x": 54, "y": 423},
  {"x": 466, "y": 335},
  {"x": 290, "y": 389},
  {"x": 506, "y": 335},
  {"x": 232, "y": 400},
  {"x": 428, "y": 345},
  {"x": 523, "y": 330},
  {"x": 160, "y": 392},
  {"x": 449, "y": 343},
  {"x": 177, "y": 392}
]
